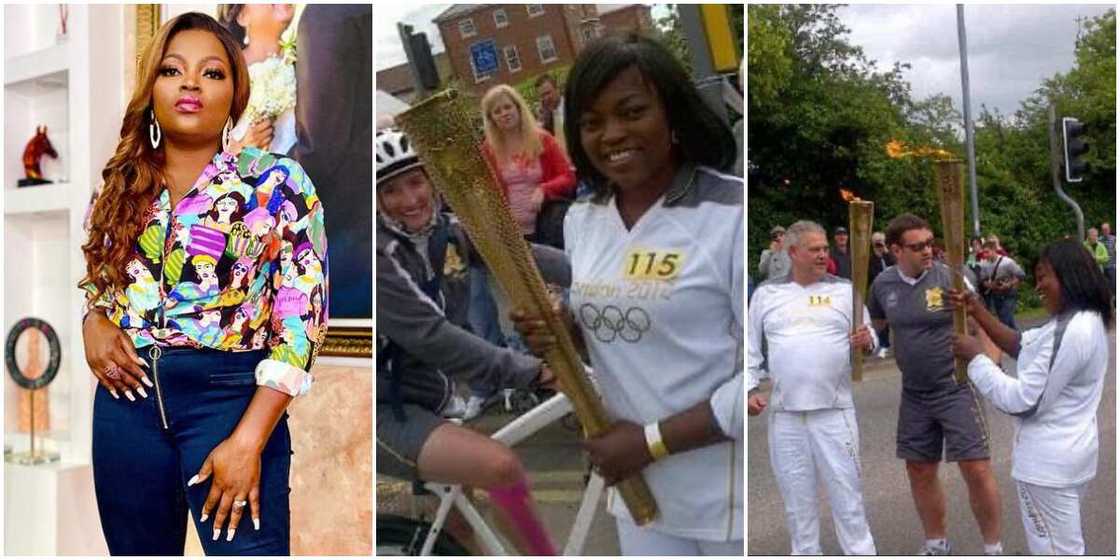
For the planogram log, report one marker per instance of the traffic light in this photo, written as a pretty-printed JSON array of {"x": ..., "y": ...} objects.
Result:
[{"x": 1075, "y": 148}]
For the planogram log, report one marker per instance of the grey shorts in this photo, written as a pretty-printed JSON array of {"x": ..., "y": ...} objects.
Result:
[
  {"x": 399, "y": 443},
  {"x": 952, "y": 420}
]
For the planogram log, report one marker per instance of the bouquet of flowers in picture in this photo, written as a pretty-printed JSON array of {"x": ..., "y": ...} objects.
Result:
[{"x": 273, "y": 89}]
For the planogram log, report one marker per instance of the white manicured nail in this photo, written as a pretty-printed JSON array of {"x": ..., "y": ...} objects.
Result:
[
  {"x": 147, "y": 381},
  {"x": 114, "y": 393},
  {"x": 129, "y": 395},
  {"x": 203, "y": 518},
  {"x": 192, "y": 482},
  {"x": 229, "y": 535},
  {"x": 256, "y": 524},
  {"x": 217, "y": 532},
  {"x": 143, "y": 393}
]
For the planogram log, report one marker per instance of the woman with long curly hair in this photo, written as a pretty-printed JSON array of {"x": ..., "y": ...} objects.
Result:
[{"x": 197, "y": 314}]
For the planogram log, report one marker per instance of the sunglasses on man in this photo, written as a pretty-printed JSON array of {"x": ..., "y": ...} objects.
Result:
[{"x": 919, "y": 246}]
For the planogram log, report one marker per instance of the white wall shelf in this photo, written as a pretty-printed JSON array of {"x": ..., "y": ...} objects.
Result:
[
  {"x": 50, "y": 511},
  {"x": 46, "y": 83},
  {"x": 44, "y": 65},
  {"x": 37, "y": 199}
]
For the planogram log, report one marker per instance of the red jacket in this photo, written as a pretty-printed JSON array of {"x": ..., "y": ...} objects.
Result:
[{"x": 558, "y": 179}]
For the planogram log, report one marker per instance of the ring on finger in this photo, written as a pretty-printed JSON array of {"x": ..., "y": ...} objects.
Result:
[
  {"x": 113, "y": 372},
  {"x": 238, "y": 504}
]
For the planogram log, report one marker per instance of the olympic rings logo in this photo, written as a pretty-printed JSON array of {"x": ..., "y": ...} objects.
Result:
[{"x": 611, "y": 322}]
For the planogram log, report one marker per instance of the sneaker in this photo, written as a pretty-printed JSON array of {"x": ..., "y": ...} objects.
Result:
[
  {"x": 993, "y": 549},
  {"x": 881, "y": 354},
  {"x": 474, "y": 407},
  {"x": 939, "y": 547},
  {"x": 455, "y": 408}
]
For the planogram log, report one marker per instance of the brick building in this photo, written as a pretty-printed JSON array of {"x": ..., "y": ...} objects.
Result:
[
  {"x": 397, "y": 80},
  {"x": 488, "y": 44}
]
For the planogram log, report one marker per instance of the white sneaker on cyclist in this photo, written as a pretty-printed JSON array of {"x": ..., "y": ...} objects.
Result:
[
  {"x": 456, "y": 408},
  {"x": 474, "y": 407},
  {"x": 935, "y": 547}
]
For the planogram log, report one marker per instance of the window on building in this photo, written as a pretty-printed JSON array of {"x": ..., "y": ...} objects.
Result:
[
  {"x": 500, "y": 18},
  {"x": 546, "y": 49},
  {"x": 467, "y": 28},
  {"x": 513, "y": 59},
  {"x": 534, "y": 10}
]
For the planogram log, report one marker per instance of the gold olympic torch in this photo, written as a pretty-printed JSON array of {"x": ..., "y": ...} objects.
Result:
[
  {"x": 445, "y": 132},
  {"x": 950, "y": 193},
  {"x": 860, "y": 214}
]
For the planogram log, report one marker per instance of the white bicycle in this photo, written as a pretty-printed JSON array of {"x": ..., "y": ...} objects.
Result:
[{"x": 404, "y": 536}]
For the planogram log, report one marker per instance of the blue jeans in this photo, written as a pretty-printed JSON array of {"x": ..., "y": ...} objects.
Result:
[
  {"x": 483, "y": 317},
  {"x": 144, "y": 453},
  {"x": 1004, "y": 307},
  {"x": 483, "y": 312},
  {"x": 884, "y": 337}
]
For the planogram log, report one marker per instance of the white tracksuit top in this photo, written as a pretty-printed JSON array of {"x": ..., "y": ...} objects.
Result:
[
  {"x": 660, "y": 308},
  {"x": 807, "y": 330},
  {"x": 1060, "y": 375}
]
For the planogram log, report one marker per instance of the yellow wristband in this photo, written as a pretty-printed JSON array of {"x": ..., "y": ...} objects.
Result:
[{"x": 656, "y": 446}]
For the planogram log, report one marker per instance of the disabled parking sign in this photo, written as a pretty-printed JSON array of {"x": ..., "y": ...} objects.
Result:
[{"x": 484, "y": 57}]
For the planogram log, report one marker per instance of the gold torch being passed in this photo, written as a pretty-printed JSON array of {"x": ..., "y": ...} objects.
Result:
[
  {"x": 950, "y": 193},
  {"x": 444, "y": 131},
  {"x": 860, "y": 214}
]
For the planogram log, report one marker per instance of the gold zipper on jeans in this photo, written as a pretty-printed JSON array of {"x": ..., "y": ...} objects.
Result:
[{"x": 155, "y": 353}]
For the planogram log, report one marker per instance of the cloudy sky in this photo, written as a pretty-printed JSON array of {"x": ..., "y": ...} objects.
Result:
[
  {"x": 387, "y": 40},
  {"x": 1011, "y": 49}
]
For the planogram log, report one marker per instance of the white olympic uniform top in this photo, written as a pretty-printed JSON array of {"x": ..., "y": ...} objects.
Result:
[
  {"x": 807, "y": 331},
  {"x": 1054, "y": 397},
  {"x": 660, "y": 308}
]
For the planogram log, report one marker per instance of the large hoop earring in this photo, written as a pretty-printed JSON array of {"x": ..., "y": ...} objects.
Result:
[
  {"x": 154, "y": 133},
  {"x": 225, "y": 134}
]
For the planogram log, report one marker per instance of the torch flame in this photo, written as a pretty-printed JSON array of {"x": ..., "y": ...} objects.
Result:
[
  {"x": 898, "y": 149},
  {"x": 848, "y": 195}
]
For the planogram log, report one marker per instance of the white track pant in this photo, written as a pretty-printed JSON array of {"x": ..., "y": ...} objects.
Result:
[
  {"x": 1052, "y": 518},
  {"x": 825, "y": 444},
  {"x": 638, "y": 541}
]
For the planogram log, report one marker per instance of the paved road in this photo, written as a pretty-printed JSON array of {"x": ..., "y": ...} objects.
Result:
[
  {"x": 556, "y": 470},
  {"x": 894, "y": 522}
]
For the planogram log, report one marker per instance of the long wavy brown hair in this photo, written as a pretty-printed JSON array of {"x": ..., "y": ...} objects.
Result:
[{"x": 134, "y": 175}]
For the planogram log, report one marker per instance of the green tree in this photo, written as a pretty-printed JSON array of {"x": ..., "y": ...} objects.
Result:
[{"x": 769, "y": 58}]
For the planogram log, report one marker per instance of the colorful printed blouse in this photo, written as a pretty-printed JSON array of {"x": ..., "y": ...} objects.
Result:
[{"x": 240, "y": 264}]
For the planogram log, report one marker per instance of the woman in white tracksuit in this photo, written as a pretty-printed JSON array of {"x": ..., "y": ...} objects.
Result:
[
  {"x": 657, "y": 292},
  {"x": 1055, "y": 394}
]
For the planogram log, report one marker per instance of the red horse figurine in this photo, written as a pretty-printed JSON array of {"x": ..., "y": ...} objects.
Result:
[{"x": 39, "y": 146}]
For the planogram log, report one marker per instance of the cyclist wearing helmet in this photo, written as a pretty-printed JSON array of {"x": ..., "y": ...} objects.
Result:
[{"x": 422, "y": 293}]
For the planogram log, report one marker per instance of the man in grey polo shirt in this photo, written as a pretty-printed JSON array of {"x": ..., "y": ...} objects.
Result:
[
  {"x": 774, "y": 263},
  {"x": 936, "y": 416}
]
